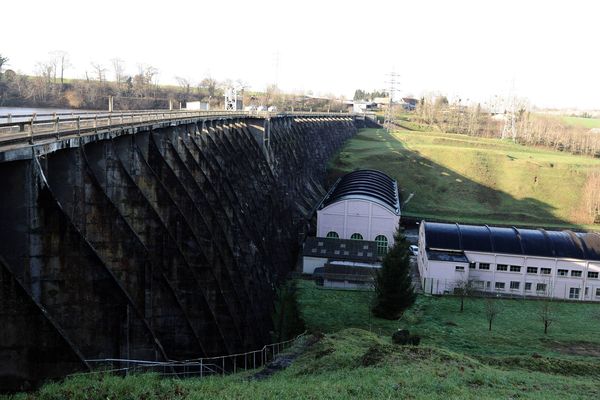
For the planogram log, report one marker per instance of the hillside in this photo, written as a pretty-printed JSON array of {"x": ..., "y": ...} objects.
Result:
[{"x": 460, "y": 178}]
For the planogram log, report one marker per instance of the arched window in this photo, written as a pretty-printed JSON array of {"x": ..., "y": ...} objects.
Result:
[
  {"x": 382, "y": 245},
  {"x": 333, "y": 234},
  {"x": 356, "y": 236}
]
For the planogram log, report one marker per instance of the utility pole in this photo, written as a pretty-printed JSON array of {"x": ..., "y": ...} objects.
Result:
[
  {"x": 509, "y": 129},
  {"x": 389, "y": 113}
]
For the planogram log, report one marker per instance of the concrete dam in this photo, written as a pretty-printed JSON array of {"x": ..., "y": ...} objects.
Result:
[{"x": 156, "y": 241}]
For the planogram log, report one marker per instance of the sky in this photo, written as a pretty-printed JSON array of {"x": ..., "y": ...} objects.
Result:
[{"x": 545, "y": 51}]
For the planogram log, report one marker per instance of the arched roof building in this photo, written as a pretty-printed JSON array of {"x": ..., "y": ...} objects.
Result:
[
  {"x": 510, "y": 260},
  {"x": 363, "y": 204}
]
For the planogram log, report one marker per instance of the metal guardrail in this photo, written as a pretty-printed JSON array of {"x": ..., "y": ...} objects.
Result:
[
  {"x": 29, "y": 127},
  {"x": 199, "y": 367}
]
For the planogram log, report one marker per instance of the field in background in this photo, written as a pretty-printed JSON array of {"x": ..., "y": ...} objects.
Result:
[
  {"x": 588, "y": 123},
  {"x": 467, "y": 179}
]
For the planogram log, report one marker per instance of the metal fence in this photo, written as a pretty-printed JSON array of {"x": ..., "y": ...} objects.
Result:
[
  {"x": 198, "y": 367},
  {"x": 551, "y": 289}
]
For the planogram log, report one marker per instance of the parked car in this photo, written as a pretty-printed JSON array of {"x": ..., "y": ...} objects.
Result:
[{"x": 414, "y": 250}]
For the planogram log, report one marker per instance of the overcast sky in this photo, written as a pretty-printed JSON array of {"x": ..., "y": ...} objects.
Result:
[{"x": 470, "y": 49}]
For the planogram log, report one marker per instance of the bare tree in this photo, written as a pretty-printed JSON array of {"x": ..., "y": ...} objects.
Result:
[
  {"x": 492, "y": 309},
  {"x": 61, "y": 62},
  {"x": 118, "y": 69},
  {"x": 547, "y": 314},
  {"x": 184, "y": 84},
  {"x": 464, "y": 288},
  {"x": 3, "y": 61},
  {"x": 99, "y": 70}
]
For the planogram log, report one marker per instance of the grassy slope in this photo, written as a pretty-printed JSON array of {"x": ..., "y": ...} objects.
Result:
[
  {"x": 467, "y": 179},
  {"x": 356, "y": 363}
]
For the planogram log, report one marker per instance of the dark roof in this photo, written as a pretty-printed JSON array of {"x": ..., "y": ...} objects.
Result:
[
  {"x": 365, "y": 184},
  {"x": 530, "y": 242},
  {"x": 448, "y": 256},
  {"x": 341, "y": 249},
  {"x": 332, "y": 271}
]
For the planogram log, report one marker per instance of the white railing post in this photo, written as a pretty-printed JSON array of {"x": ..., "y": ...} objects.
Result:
[
  {"x": 9, "y": 119},
  {"x": 31, "y": 130},
  {"x": 78, "y": 125}
]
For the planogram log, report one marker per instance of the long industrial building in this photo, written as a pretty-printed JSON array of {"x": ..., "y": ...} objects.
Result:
[{"x": 509, "y": 261}]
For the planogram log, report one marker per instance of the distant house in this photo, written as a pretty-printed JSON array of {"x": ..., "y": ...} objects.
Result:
[
  {"x": 362, "y": 107},
  {"x": 197, "y": 106},
  {"x": 409, "y": 104}
]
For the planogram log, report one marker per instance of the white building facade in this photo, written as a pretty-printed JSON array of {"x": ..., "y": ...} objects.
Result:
[
  {"x": 362, "y": 205},
  {"x": 510, "y": 261}
]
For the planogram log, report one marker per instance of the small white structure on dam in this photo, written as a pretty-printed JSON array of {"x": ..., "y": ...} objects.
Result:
[{"x": 509, "y": 261}]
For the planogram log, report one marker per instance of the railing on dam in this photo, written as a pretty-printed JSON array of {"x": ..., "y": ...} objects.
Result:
[
  {"x": 199, "y": 367},
  {"x": 20, "y": 128}
]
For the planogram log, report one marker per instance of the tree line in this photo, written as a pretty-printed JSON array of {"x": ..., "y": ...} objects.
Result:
[{"x": 49, "y": 87}]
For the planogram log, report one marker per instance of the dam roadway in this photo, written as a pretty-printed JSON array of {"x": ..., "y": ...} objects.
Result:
[{"x": 150, "y": 235}]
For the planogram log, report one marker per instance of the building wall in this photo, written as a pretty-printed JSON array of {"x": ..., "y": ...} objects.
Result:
[
  {"x": 441, "y": 277},
  {"x": 310, "y": 263},
  {"x": 357, "y": 216}
]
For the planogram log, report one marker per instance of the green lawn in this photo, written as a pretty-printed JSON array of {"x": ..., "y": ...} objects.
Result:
[
  {"x": 474, "y": 180},
  {"x": 457, "y": 359},
  {"x": 588, "y": 123},
  {"x": 517, "y": 331}
]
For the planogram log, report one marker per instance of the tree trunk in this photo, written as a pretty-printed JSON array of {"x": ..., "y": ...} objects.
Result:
[
  {"x": 462, "y": 304},
  {"x": 490, "y": 326}
]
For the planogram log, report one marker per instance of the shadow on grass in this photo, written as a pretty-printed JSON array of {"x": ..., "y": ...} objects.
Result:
[{"x": 440, "y": 193}]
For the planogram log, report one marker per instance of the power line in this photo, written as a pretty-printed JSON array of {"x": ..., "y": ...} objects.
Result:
[{"x": 389, "y": 113}]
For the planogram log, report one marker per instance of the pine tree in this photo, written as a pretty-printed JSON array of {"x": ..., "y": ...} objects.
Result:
[{"x": 393, "y": 283}]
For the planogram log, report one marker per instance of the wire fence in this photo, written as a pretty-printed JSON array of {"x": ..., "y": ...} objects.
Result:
[
  {"x": 518, "y": 288},
  {"x": 197, "y": 367}
]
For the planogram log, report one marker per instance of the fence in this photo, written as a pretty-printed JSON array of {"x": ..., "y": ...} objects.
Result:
[
  {"x": 556, "y": 289},
  {"x": 199, "y": 367},
  {"x": 14, "y": 128}
]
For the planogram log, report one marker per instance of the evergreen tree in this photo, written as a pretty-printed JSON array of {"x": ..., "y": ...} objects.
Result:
[{"x": 393, "y": 283}]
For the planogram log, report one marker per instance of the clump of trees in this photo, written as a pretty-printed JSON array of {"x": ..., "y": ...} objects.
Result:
[
  {"x": 288, "y": 319},
  {"x": 360, "y": 94},
  {"x": 393, "y": 284}
]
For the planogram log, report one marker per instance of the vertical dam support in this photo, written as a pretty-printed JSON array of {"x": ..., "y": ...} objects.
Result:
[{"x": 165, "y": 243}]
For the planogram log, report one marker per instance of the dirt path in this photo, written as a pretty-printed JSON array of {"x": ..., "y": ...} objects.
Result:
[{"x": 282, "y": 361}]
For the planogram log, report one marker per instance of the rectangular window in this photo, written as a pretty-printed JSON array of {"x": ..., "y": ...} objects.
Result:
[
  {"x": 472, "y": 265},
  {"x": 576, "y": 274},
  {"x": 478, "y": 284},
  {"x": 527, "y": 285},
  {"x": 587, "y": 291},
  {"x": 484, "y": 266},
  {"x": 597, "y": 292},
  {"x": 540, "y": 287},
  {"x": 488, "y": 284},
  {"x": 563, "y": 272},
  {"x": 514, "y": 284},
  {"x": 501, "y": 267},
  {"x": 593, "y": 275},
  {"x": 532, "y": 270},
  {"x": 515, "y": 268},
  {"x": 459, "y": 268},
  {"x": 545, "y": 271},
  {"x": 574, "y": 293},
  {"x": 500, "y": 285}
]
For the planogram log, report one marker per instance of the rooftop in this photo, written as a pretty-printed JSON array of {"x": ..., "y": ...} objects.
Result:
[
  {"x": 341, "y": 249},
  {"x": 531, "y": 242},
  {"x": 449, "y": 256},
  {"x": 367, "y": 184}
]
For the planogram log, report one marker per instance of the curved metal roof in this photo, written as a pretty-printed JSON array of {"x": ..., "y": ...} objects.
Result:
[
  {"x": 530, "y": 242},
  {"x": 365, "y": 184}
]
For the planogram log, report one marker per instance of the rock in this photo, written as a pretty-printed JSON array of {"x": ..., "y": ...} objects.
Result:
[{"x": 401, "y": 336}]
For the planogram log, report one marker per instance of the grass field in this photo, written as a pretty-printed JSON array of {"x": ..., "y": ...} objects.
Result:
[
  {"x": 588, "y": 123},
  {"x": 457, "y": 359},
  {"x": 478, "y": 180}
]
